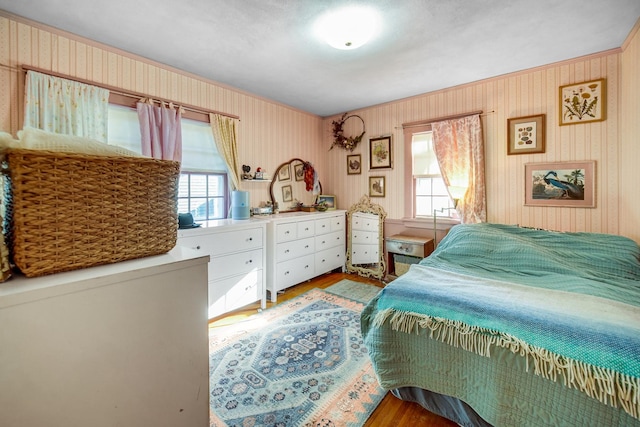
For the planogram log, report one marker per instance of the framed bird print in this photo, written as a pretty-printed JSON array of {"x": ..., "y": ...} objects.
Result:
[
  {"x": 562, "y": 184},
  {"x": 376, "y": 186},
  {"x": 354, "y": 164}
]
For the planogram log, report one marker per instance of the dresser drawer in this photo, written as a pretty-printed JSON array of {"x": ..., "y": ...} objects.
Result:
[
  {"x": 337, "y": 223},
  {"x": 409, "y": 245},
  {"x": 294, "y": 249},
  {"x": 330, "y": 240},
  {"x": 329, "y": 259},
  {"x": 234, "y": 292},
  {"x": 230, "y": 265},
  {"x": 294, "y": 271},
  {"x": 323, "y": 226},
  {"x": 306, "y": 229},
  {"x": 224, "y": 243},
  {"x": 287, "y": 231}
]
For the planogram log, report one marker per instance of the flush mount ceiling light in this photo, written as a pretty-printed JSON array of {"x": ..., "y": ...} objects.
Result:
[{"x": 349, "y": 27}]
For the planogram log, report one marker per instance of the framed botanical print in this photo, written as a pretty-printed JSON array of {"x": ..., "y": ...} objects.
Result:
[
  {"x": 583, "y": 102},
  {"x": 380, "y": 152}
]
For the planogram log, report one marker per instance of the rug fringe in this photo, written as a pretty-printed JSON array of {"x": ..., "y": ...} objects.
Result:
[{"x": 606, "y": 385}]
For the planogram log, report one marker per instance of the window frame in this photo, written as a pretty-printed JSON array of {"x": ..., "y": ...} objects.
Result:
[{"x": 410, "y": 219}]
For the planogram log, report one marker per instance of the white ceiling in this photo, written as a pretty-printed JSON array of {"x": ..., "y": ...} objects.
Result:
[{"x": 268, "y": 47}]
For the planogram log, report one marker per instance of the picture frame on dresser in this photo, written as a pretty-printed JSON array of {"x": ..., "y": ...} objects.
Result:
[{"x": 329, "y": 200}]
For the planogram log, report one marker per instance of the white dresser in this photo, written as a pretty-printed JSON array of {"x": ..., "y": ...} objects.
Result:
[
  {"x": 118, "y": 344},
  {"x": 237, "y": 261},
  {"x": 303, "y": 245},
  {"x": 365, "y": 235}
]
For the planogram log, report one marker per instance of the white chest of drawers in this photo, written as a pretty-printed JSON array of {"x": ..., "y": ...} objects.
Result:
[
  {"x": 365, "y": 244},
  {"x": 302, "y": 246},
  {"x": 237, "y": 261}
]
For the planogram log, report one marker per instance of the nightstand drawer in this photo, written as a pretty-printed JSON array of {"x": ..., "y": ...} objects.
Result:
[{"x": 409, "y": 245}]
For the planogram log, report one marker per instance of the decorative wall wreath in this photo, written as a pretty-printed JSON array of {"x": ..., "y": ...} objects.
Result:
[{"x": 342, "y": 141}]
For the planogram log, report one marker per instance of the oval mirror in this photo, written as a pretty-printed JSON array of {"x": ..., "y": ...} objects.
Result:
[{"x": 292, "y": 185}]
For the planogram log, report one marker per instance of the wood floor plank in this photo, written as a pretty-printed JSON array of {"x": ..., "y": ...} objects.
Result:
[{"x": 391, "y": 411}]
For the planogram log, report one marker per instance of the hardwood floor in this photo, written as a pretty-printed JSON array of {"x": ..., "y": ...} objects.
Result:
[{"x": 391, "y": 411}]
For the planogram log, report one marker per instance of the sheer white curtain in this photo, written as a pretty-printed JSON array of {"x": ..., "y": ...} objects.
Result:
[
  {"x": 161, "y": 130},
  {"x": 65, "y": 106},
  {"x": 459, "y": 148},
  {"x": 226, "y": 139}
]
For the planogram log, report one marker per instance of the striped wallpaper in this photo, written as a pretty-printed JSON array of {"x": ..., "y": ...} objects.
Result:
[
  {"x": 611, "y": 143},
  {"x": 271, "y": 133}
]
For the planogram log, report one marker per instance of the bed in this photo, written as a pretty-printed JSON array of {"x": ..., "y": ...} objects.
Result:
[{"x": 511, "y": 326}]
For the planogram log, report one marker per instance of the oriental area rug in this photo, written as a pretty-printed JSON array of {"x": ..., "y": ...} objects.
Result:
[{"x": 300, "y": 363}]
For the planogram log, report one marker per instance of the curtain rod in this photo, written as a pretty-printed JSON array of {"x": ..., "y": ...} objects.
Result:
[
  {"x": 129, "y": 94},
  {"x": 441, "y": 119}
]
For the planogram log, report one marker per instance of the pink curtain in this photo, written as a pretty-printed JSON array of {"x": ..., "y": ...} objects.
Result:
[
  {"x": 161, "y": 131},
  {"x": 459, "y": 148}
]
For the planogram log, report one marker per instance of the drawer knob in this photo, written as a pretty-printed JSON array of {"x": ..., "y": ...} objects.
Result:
[
  {"x": 323, "y": 242},
  {"x": 306, "y": 246},
  {"x": 286, "y": 272},
  {"x": 249, "y": 262},
  {"x": 198, "y": 247},
  {"x": 306, "y": 266},
  {"x": 322, "y": 260},
  {"x": 286, "y": 232},
  {"x": 286, "y": 251},
  {"x": 250, "y": 238}
]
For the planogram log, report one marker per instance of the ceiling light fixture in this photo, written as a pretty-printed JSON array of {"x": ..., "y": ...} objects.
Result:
[{"x": 349, "y": 27}]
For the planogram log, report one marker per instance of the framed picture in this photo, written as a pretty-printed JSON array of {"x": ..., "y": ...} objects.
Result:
[
  {"x": 583, "y": 102},
  {"x": 354, "y": 164},
  {"x": 380, "y": 152},
  {"x": 329, "y": 200},
  {"x": 567, "y": 184},
  {"x": 287, "y": 193},
  {"x": 526, "y": 135},
  {"x": 284, "y": 173},
  {"x": 298, "y": 171},
  {"x": 376, "y": 186}
]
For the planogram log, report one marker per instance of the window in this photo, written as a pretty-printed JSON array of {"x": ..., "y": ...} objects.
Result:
[
  {"x": 423, "y": 177},
  {"x": 430, "y": 190},
  {"x": 203, "y": 188},
  {"x": 204, "y": 195}
]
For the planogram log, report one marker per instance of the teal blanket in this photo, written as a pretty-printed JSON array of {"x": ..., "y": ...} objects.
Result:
[{"x": 568, "y": 302}]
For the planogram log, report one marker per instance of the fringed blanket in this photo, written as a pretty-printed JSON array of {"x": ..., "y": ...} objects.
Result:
[{"x": 569, "y": 303}]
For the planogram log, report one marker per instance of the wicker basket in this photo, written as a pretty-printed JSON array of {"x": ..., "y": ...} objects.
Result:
[
  {"x": 402, "y": 263},
  {"x": 70, "y": 211}
]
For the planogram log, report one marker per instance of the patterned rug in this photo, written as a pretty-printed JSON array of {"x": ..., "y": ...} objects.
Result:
[{"x": 300, "y": 363}]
